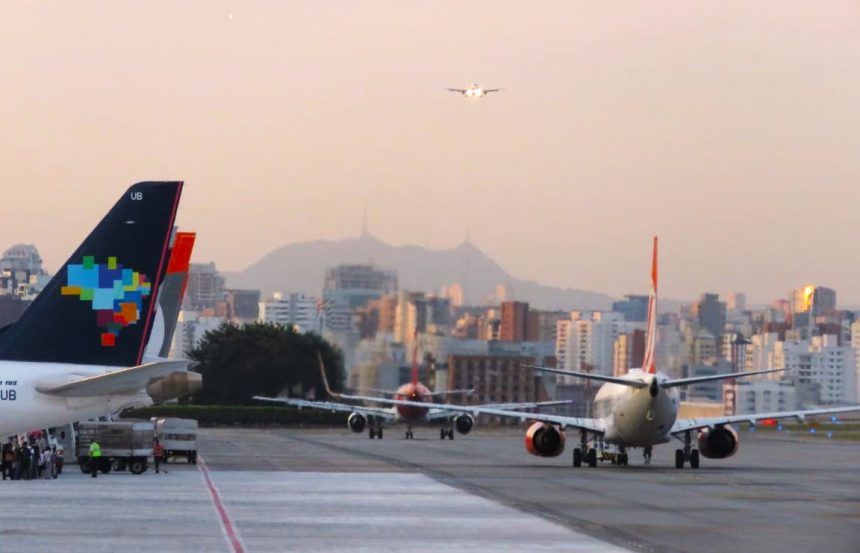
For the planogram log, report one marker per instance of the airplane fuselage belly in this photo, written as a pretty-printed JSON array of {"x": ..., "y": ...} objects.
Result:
[
  {"x": 635, "y": 419},
  {"x": 23, "y": 408}
]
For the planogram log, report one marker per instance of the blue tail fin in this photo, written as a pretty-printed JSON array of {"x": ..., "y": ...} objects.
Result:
[{"x": 98, "y": 308}]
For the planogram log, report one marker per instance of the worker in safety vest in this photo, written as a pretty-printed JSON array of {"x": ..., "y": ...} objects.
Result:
[
  {"x": 95, "y": 458},
  {"x": 157, "y": 453}
]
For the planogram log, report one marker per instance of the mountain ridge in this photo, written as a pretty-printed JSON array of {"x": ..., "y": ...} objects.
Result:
[{"x": 300, "y": 267}]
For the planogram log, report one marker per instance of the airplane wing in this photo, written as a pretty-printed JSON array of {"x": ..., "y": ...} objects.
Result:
[
  {"x": 460, "y": 90},
  {"x": 122, "y": 381},
  {"x": 488, "y": 90},
  {"x": 470, "y": 391},
  {"x": 385, "y": 414},
  {"x": 592, "y": 425},
  {"x": 695, "y": 424},
  {"x": 444, "y": 414}
]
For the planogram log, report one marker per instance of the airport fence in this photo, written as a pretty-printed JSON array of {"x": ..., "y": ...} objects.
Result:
[{"x": 236, "y": 415}]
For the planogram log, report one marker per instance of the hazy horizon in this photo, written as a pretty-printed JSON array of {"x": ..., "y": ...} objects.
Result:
[{"x": 729, "y": 130}]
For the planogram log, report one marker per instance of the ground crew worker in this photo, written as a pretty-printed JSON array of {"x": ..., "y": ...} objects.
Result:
[
  {"x": 95, "y": 458},
  {"x": 157, "y": 453}
]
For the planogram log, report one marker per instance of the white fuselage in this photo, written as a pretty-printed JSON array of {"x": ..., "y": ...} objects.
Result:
[
  {"x": 24, "y": 408},
  {"x": 632, "y": 417}
]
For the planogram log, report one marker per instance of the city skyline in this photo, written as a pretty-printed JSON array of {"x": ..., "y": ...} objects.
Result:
[{"x": 727, "y": 130}]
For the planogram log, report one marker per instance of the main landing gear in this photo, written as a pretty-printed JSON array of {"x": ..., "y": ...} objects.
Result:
[
  {"x": 374, "y": 432},
  {"x": 446, "y": 433},
  {"x": 583, "y": 452},
  {"x": 409, "y": 434},
  {"x": 687, "y": 454}
]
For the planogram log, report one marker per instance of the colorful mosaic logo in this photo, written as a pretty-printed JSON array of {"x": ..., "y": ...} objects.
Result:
[{"x": 116, "y": 294}]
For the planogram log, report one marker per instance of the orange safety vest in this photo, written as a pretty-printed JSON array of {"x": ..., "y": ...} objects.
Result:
[{"x": 158, "y": 450}]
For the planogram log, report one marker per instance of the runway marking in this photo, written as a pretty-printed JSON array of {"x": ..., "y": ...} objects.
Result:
[{"x": 227, "y": 526}]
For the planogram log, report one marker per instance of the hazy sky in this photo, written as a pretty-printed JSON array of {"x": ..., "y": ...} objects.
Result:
[{"x": 730, "y": 128}]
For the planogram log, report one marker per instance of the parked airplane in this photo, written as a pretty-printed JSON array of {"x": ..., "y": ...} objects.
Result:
[
  {"x": 474, "y": 91},
  {"x": 412, "y": 412},
  {"x": 78, "y": 351},
  {"x": 640, "y": 409}
]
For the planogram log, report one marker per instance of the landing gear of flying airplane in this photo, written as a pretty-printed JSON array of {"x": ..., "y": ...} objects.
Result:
[
  {"x": 446, "y": 433},
  {"x": 374, "y": 433},
  {"x": 687, "y": 454}
]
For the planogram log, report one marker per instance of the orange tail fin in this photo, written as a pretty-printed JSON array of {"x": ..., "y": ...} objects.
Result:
[
  {"x": 648, "y": 363},
  {"x": 415, "y": 361}
]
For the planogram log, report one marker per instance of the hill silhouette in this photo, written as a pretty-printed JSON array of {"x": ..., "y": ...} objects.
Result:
[{"x": 300, "y": 267}]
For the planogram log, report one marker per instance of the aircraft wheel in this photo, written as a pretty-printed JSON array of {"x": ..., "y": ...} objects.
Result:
[
  {"x": 679, "y": 458},
  {"x": 694, "y": 459},
  {"x": 577, "y": 457},
  {"x": 371, "y": 433},
  {"x": 379, "y": 433},
  {"x": 441, "y": 433},
  {"x": 592, "y": 457},
  {"x": 451, "y": 434}
]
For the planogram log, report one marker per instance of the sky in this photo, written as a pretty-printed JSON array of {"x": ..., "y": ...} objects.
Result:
[{"x": 730, "y": 129}]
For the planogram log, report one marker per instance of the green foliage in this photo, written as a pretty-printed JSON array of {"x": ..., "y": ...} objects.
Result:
[
  {"x": 239, "y": 362},
  {"x": 230, "y": 415}
]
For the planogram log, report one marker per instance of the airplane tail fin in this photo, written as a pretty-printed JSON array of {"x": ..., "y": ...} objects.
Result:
[
  {"x": 648, "y": 362},
  {"x": 415, "y": 361},
  {"x": 171, "y": 292},
  {"x": 98, "y": 309}
]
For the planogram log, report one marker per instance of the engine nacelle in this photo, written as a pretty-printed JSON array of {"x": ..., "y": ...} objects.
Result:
[
  {"x": 544, "y": 440},
  {"x": 464, "y": 423},
  {"x": 719, "y": 442},
  {"x": 356, "y": 422},
  {"x": 174, "y": 385}
]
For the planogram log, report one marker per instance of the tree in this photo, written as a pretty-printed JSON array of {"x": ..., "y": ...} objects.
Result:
[{"x": 240, "y": 361}]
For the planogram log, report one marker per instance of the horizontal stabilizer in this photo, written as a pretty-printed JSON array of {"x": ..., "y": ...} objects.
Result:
[
  {"x": 587, "y": 376},
  {"x": 122, "y": 381},
  {"x": 727, "y": 376}
]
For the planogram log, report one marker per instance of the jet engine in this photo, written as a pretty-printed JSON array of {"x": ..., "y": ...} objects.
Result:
[
  {"x": 544, "y": 440},
  {"x": 174, "y": 385},
  {"x": 719, "y": 442},
  {"x": 356, "y": 422},
  {"x": 464, "y": 423}
]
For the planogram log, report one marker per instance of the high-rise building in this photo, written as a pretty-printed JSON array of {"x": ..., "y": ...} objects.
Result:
[
  {"x": 298, "y": 310},
  {"x": 815, "y": 299},
  {"x": 205, "y": 286},
  {"x": 586, "y": 342},
  {"x": 855, "y": 344},
  {"x": 821, "y": 361},
  {"x": 736, "y": 301},
  {"x": 243, "y": 305},
  {"x": 633, "y": 308},
  {"x": 711, "y": 314},
  {"x": 495, "y": 378},
  {"x": 355, "y": 285},
  {"x": 515, "y": 315}
]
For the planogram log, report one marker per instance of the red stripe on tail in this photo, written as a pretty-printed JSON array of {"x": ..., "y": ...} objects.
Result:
[
  {"x": 415, "y": 361},
  {"x": 648, "y": 363}
]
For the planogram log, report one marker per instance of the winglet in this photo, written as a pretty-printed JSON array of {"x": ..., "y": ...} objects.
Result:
[{"x": 648, "y": 362}]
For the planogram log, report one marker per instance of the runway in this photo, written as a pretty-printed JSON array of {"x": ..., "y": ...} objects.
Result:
[
  {"x": 779, "y": 493},
  {"x": 330, "y": 490}
]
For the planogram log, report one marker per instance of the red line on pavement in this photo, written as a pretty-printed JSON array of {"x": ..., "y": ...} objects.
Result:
[{"x": 226, "y": 524}]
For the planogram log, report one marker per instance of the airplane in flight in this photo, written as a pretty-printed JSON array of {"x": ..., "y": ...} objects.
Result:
[
  {"x": 640, "y": 410},
  {"x": 416, "y": 413},
  {"x": 91, "y": 343},
  {"x": 474, "y": 91}
]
